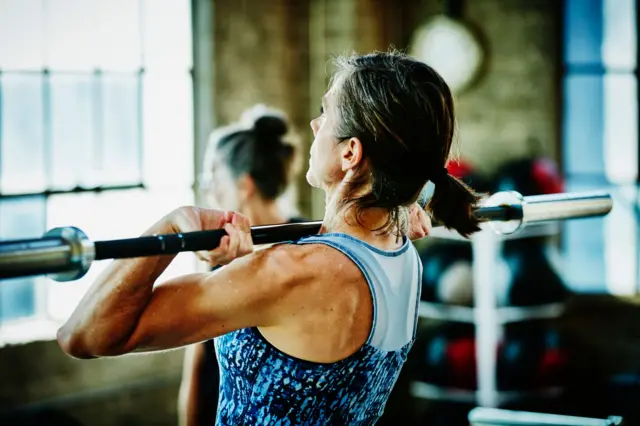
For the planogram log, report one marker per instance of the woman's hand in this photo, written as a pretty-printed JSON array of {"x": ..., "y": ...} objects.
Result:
[
  {"x": 420, "y": 223},
  {"x": 119, "y": 312},
  {"x": 236, "y": 243}
]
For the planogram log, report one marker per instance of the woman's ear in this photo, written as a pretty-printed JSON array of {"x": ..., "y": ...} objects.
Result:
[{"x": 351, "y": 154}]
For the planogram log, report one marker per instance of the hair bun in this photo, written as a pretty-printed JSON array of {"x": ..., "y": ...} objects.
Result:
[
  {"x": 270, "y": 125},
  {"x": 266, "y": 122}
]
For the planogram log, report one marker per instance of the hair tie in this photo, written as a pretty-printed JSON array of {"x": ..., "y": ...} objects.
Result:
[{"x": 440, "y": 176}]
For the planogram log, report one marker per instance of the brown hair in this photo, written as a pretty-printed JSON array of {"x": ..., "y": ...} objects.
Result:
[
  {"x": 257, "y": 146},
  {"x": 402, "y": 112}
]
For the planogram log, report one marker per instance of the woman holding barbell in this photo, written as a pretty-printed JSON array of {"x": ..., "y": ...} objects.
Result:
[
  {"x": 315, "y": 331},
  {"x": 248, "y": 166}
]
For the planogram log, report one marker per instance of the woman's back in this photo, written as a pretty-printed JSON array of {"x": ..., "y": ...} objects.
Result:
[{"x": 345, "y": 376}]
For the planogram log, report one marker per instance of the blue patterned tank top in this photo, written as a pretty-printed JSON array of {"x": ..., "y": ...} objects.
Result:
[{"x": 260, "y": 385}]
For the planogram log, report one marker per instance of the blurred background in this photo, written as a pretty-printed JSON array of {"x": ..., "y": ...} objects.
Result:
[{"x": 106, "y": 107}]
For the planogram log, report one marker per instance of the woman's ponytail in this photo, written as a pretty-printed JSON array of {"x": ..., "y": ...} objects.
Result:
[{"x": 453, "y": 203}]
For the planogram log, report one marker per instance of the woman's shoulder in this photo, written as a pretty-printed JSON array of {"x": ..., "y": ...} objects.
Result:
[
  {"x": 304, "y": 260},
  {"x": 292, "y": 255}
]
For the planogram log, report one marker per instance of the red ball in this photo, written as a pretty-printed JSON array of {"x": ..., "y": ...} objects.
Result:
[
  {"x": 547, "y": 176},
  {"x": 551, "y": 368},
  {"x": 459, "y": 168},
  {"x": 461, "y": 357}
]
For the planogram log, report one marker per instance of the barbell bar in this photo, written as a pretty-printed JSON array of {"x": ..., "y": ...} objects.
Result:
[
  {"x": 487, "y": 416},
  {"x": 66, "y": 253}
]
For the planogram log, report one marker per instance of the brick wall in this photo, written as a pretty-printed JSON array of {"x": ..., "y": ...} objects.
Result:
[
  {"x": 262, "y": 56},
  {"x": 517, "y": 100}
]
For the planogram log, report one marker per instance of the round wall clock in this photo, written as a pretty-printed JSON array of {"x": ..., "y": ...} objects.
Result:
[{"x": 451, "y": 48}]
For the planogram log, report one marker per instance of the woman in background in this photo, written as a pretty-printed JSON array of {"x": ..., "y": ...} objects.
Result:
[{"x": 248, "y": 166}]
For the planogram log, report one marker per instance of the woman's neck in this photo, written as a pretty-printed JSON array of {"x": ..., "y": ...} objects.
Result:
[
  {"x": 262, "y": 212},
  {"x": 366, "y": 226}
]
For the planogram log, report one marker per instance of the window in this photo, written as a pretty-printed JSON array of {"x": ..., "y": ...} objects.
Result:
[
  {"x": 96, "y": 129},
  {"x": 600, "y": 141}
]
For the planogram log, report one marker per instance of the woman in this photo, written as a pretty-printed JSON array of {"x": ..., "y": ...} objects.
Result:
[
  {"x": 249, "y": 165},
  {"x": 314, "y": 331}
]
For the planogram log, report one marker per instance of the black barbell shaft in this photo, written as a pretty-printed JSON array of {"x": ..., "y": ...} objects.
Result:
[
  {"x": 67, "y": 252},
  {"x": 208, "y": 240},
  {"x": 196, "y": 241}
]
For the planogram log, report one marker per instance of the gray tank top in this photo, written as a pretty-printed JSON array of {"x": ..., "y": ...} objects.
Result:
[{"x": 260, "y": 385}]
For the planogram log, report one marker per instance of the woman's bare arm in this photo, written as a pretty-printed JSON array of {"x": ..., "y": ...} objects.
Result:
[{"x": 123, "y": 312}]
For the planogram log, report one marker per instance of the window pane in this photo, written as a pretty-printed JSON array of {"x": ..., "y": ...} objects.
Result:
[
  {"x": 71, "y": 34},
  {"x": 583, "y": 125},
  {"x": 583, "y": 32},
  {"x": 619, "y": 42},
  {"x": 168, "y": 130},
  {"x": 105, "y": 216},
  {"x": 583, "y": 244},
  {"x": 20, "y": 218},
  {"x": 118, "y": 49},
  {"x": 621, "y": 128},
  {"x": 121, "y": 138},
  {"x": 72, "y": 134},
  {"x": 621, "y": 243},
  {"x": 21, "y": 34},
  {"x": 167, "y": 41},
  {"x": 22, "y": 159}
]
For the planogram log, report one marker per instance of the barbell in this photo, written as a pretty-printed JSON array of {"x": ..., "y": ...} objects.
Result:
[
  {"x": 66, "y": 253},
  {"x": 487, "y": 416}
]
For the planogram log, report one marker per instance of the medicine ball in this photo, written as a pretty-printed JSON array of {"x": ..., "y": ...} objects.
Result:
[{"x": 447, "y": 275}]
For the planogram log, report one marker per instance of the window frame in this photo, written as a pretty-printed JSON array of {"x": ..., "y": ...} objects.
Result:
[
  {"x": 591, "y": 245},
  {"x": 21, "y": 329}
]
